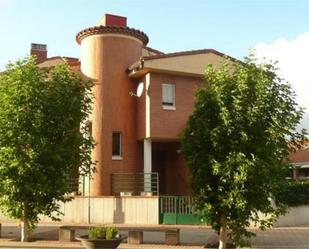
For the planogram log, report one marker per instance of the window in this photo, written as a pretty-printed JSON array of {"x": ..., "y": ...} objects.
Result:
[
  {"x": 168, "y": 96},
  {"x": 116, "y": 153}
]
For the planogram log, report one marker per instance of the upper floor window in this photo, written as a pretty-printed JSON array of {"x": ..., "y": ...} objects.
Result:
[
  {"x": 116, "y": 146},
  {"x": 168, "y": 96}
]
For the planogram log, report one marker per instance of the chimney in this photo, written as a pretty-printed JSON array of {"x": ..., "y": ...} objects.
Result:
[
  {"x": 112, "y": 20},
  {"x": 39, "y": 51}
]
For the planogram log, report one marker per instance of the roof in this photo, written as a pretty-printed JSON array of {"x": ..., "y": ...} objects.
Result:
[
  {"x": 191, "y": 63},
  {"x": 53, "y": 61},
  {"x": 113, "y": 30},
  {"x": 63, "y": 57},
  {"x": 190, "y": 52},
  {"x": 155, "y": 51},
  {"x": 300, "y": 155}
]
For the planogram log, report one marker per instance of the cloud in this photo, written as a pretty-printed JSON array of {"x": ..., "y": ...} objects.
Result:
[{"x": 293, "y": 63}]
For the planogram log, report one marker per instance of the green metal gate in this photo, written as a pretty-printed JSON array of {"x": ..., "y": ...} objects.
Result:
[{"x": 177, "y": 210}]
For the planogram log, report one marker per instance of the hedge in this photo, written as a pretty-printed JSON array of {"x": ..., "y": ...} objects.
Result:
[{"x": 295, "y": 194}]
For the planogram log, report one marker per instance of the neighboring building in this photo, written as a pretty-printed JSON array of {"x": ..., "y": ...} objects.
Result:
[
  {"x": 40, "y": 52},
  {"x": 137, "y": 138},
  {"x": 300, "y": 163}
]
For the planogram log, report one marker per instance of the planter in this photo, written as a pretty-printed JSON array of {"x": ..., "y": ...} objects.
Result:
[{"x": 99, "y": 243}]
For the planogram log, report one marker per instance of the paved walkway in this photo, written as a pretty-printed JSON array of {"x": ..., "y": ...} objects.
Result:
[
  {"x": 297, "y": 237},
  {"x": 46, "y": 236}
]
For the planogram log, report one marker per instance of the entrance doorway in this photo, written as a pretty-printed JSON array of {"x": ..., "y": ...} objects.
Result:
[{"x": 159, "y": 165}]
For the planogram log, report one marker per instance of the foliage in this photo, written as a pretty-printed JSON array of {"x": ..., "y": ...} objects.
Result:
[
  {"x": 42, "y": 140},
  {"x": 96, "y": 233},
  {"x": 102, "y": 233},
  {"x": 235, "y": 144},
  {"x": 111, "y": 232},
  {"x": 296, "y": 193}
]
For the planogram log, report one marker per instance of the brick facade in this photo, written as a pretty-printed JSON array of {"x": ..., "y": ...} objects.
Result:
[{"x": 168, "y": 124}]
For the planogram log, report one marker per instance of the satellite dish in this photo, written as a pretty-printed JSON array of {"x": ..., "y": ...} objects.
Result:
[{"x": 139, "y": 90}]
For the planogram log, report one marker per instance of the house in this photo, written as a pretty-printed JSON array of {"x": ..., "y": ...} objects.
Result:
[
  {"x": 300, "y": 162},
  {"x": 137, "y": 137},
  {"x": 139, "y": 134},
  {"x": 40, "y": 52}
]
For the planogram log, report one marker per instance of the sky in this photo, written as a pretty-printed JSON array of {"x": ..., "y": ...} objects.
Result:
[{"x": 275, "y": 29}]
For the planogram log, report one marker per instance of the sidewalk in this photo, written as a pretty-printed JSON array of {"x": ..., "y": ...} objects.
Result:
[{"x": 46, "y": 236}]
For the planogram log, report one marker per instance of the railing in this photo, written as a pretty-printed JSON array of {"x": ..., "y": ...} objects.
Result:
[
  {"x": 176, "y": 204},
  {"x": 135, "y": 183},
  {"x": 179, "y": 210}
]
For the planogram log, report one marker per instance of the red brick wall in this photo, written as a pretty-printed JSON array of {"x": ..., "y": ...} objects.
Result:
[
  {"x": 40, "y": 55},
  {"x": 167, "y": 124}
]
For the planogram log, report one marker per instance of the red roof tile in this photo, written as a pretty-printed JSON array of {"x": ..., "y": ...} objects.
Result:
[
  {"x": 300, "y": 155},
  {"x": 53, "y": 61},
  {"x": 114, "y": 30}
]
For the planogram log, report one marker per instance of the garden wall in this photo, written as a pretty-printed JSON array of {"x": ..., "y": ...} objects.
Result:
[
  {"x": 118, "y": 210},
  {"x": 296, "y": 216},
  {"x": 139, "y": 210}
]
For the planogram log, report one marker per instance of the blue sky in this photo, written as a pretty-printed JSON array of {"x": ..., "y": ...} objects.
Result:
[
  {"x": 277, "y": 29},
  {"x": 231, "y": 26}
]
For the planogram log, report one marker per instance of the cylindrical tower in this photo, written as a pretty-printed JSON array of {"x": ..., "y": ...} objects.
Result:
[{"x": 106, "y": 53}]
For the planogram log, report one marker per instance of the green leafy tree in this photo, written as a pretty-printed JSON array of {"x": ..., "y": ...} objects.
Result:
[
  {"x": 236, "y": 144},
  {"x": 42, "y": 141}
]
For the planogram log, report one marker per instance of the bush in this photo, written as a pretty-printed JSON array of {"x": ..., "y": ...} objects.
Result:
[
  {"x": 96, "y": 233},
  {"x": 102, "y": 233},
  {"x": 295, "y": 194},
  {"x": 111, "y": 232}
]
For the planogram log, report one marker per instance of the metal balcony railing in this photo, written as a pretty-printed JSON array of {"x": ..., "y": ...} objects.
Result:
[{"x": 135, "y": 183}]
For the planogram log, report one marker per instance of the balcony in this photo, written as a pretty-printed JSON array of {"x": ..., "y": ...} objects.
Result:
[{"x": 135, "y": 184}]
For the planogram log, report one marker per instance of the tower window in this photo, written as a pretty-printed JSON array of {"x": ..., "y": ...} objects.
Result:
[{"x": 116, "y": 146}]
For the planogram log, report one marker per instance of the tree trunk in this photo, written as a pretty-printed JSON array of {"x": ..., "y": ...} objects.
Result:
[
  {"x": 24, "y": 227},
  {"x": 222, "y": 235}
]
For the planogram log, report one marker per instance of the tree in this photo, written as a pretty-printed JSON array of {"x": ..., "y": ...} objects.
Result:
[
  {"x": 236, "y": 145},
  {"x": 42, "y": 140}
]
